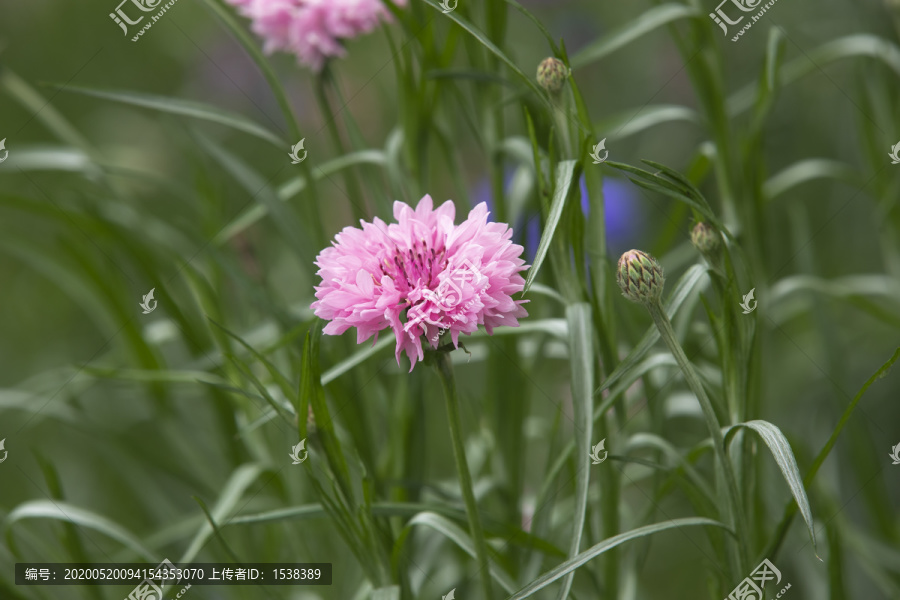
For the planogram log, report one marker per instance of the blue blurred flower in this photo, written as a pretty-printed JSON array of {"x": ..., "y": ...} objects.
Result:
[{"x": 619, "y": 210}]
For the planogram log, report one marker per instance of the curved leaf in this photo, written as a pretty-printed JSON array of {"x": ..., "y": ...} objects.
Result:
[
  {"x": 808, "y": 170},
  {"x": 537, "y": 24},
  {"x": 790, "y": 510},
  {"x": 652, "y": 19},
  {"x": 565, "y": 174},
  {"x": 595, "y": 551},
  {"x": 296, "y": 185},
  {"x": 184, "y": 108},
  {"x": 459, "y": 537},
  {"x": 62, "y": 511},
  {"x": 257, "y": 57},
  {"x": 784, "y": 456},
  {"x": 631, "y": 122},
  {"x": 50, "y": 158},
  {"x": 851, "y": 46},
  {"x": 234, "y": 489},
  {"x": 492, "y": 48},
  {"x": 581, "y": 359}
]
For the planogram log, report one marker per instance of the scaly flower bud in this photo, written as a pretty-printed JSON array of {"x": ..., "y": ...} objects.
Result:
[
  {"x": 640, "y": 277},
  {"x": 705, "y": 238},
  {"x": 552, "y": 74}
]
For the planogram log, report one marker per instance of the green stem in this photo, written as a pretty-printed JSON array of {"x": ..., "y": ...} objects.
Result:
[
  {"x": 559, "y": 102},
  {"x": 715, "y": 429},
  {"x": 445, "y": 369},
  {"x": 354, "y": 192}
]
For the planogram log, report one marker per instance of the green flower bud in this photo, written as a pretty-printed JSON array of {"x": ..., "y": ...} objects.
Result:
[
  {"x": 640, "y": 277},
  {"x": 705, "y": 238},
  {"x": 552, "y": 74}
]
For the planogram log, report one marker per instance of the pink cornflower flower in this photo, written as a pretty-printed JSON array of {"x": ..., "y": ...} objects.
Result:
[
  {"x": 312, "y": 29},
  {"x": 421, "y": 276}
]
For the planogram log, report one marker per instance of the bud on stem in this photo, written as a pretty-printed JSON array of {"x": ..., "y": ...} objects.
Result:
[
  {"x": 706, "y": 239},
  {"x": 552, "y": 74},
  {"x": 640, "y": 277}
]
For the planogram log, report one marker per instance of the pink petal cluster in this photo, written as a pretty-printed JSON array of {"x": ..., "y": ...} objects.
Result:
[
  {"x": 312, "y": 29},
  {"x": 421, "y": 276}
]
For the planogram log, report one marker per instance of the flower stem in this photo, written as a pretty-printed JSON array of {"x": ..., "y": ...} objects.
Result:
[
  {"x": 444, "y": 368},
  {"x": 715, "y": 430}
]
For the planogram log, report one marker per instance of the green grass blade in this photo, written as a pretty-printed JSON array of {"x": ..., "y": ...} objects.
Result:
[
  {"x": 791, "y": 508},
  {"x": 55, "y": 158},
  {"x": 296, "y": 185},
  {"x": 184, "y": 108},
  {"x": 863, "y": 45},
  {"x": 564, "y": 178},
  {"x": 784, "y": 456},
  {"x": 313, "y": 394},
  {"x": 231, "y": 494},
  {"x": 652, "y": 19},
  {"x": 257, "y": 56},
  {"x": 284, "y": 219},
  {"x": 581, "y": 360},
  {"x": 628, "y": 123},
  {"x": 806, "y": 170},
  {"x": 29, "y": 98},
  {"x": 458, "y": 536},
  {"x": 62, "y": 511},
  {"x": 493, "y": 49},
  {"x": 286, "y": 386},
  {"x": 537, "y": 23},
  {"x": 598, "y": 549}
]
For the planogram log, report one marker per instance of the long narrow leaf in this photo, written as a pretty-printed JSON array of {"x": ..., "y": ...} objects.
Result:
[
  {"x": 595, "y": 551},
  {"x": 458, "y": 536},
  {"x": 184, "y": 108},
  {"x": 784, "y": 456},
  {"x": 652, "y": 19},
  {"x": 62, "y": 511},
  {"x": 564, "y": 176}
]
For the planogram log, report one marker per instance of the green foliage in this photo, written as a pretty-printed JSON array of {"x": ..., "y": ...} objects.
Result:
[{"x": 163, "y": 164}]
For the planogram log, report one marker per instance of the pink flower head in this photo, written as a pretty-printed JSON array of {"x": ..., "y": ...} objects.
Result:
[
  {"x": 312, "y": 29},
  {"x": 436, "y": 275}
]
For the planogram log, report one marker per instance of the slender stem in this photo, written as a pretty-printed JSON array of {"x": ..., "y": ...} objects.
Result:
[
  {"x": 445, "y": 369},
  {"x": 330, "y": 118},
  {"x": 712, "y": 421}
]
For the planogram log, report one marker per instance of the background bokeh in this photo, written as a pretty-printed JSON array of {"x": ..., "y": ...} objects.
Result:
[{"x": 112, "y": 414}]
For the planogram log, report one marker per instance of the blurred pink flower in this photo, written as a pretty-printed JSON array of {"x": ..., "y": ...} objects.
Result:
[
  {"x": 436, "y": 275},
  {"x": 312, "y": 29}
]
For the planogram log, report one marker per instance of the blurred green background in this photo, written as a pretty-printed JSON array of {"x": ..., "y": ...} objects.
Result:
[{"x": 128, "y": 416}]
